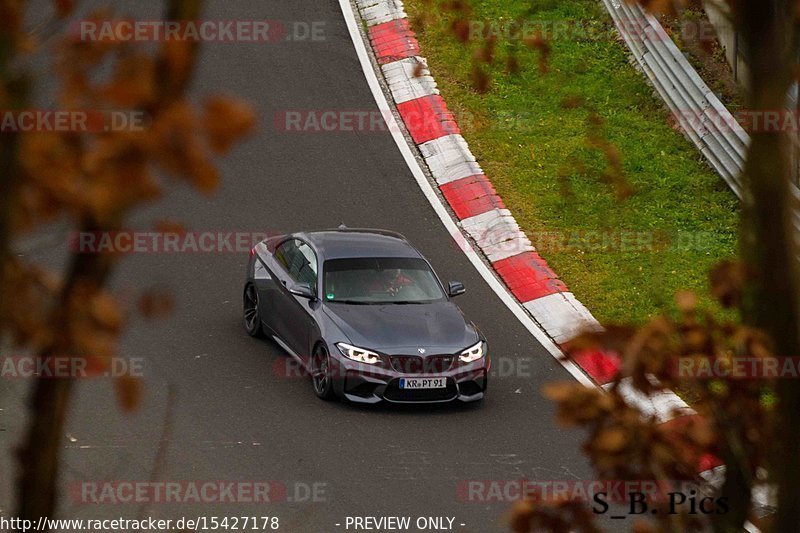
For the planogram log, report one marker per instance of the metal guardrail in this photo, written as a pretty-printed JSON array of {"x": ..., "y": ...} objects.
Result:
[{"x": 700, "y": 114}]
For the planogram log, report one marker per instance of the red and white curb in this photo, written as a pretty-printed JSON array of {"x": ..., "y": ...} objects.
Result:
[{"x": 481, "y": 214}]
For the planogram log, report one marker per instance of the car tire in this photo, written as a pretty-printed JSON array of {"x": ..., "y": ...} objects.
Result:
[
  {"x": 321, "y": 378},
  {"x": 251, "y": 314}
]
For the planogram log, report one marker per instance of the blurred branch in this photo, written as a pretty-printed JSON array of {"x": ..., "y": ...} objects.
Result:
[
  {"x": 13, "y": 96},
  {"x": 160, "y": 460},
  {"x": 173, "y": 82},
  {"x": 41, "y": 451}
]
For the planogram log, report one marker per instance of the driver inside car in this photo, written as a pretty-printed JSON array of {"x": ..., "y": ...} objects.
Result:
[{"x": 390, "y": 281}]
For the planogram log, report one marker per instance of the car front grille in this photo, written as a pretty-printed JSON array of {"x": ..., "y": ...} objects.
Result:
[
  {"x": 394, "y": 393},
  {"x": 413, "y": 364}
]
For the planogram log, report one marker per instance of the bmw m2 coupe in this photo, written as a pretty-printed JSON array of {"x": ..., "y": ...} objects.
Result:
[{"x": 364, "y": 314}]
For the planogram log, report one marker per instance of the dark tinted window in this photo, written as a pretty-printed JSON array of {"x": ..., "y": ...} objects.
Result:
[
  {"x": 299, "y": 261},
  {"x": 381, "y": 281}
]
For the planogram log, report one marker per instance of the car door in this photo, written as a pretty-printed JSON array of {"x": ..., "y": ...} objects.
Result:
[
  {"x": 294, "y": 262},
  {"x": 265, "y": 281},
  {"x": 303, "y": 269}
]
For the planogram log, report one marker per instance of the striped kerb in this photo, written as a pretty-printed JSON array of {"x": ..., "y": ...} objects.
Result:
[
  {"x": 427, "y": 118},
  {"x": 601, "y": 365},
  {"x": 393, "y": 40},
  {"x": 528, "y": 276},
  {"x": 471, "y": 196}
]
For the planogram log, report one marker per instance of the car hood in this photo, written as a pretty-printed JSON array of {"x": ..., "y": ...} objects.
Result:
[{"x": 397, "y": 329}]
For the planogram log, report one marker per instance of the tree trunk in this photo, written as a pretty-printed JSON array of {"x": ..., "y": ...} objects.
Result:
[
  {"x": 41, "y": 451},
  {"x": 15, "y": 89},
  {"x": 768, "y": 234}
]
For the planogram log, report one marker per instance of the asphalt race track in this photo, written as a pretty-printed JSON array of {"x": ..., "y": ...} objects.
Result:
[{"x": 215, "y": 408}]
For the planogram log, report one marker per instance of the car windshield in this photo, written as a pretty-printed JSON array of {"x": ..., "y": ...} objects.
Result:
[{"x": 392, "y": 280}]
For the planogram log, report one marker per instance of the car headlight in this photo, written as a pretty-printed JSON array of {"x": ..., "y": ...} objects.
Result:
[
  {"x": 473, "y": 353},
  {"x": 358, "y": 354}
]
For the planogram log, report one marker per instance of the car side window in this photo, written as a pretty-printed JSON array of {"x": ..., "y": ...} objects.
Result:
[
  {"x": 285, "y": 253},
  {"x": 306, "y": 265},
  {"x": 299, "y": 261}
]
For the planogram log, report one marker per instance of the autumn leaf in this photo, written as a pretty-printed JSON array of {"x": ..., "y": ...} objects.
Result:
[
  {"x": 558, "y": 392},
  {"x": 129, "y": 393},
  {"x": 11, "y": 15},
  {"x": 170, "y": 226},
  {"x": 538, "y": 42},
  {"x": 64, "y": 7},
  {"x": 96, "y": 366},
  {"x": 105, "y": 310},
  {"x": 657, "y": 7},
  {"x": 686, "y": 301},
  {"x": 521, "y": 516},
  {"x": 512, "y": 64},
  {"x": 611, "y": 440},
  {"x": 156, "y": 303},
  {"x": 480, "y": 79},
  {"x": 178, "y": 58},
  {"x": 485, "y": 52},
  {"x": 200, "y": 170},
  {"x": 133, "y": 84},
  {"x": 727, "y": 281},
  {"x": 460, "y": 28},
  {"x": 613, "y": 337},
  {"x": 226, "y": 121}
]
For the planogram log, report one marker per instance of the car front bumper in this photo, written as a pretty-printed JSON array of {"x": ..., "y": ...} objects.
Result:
[{"x": 362, "y": 383}]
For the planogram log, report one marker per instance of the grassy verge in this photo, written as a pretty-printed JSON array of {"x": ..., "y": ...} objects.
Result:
[{"x": 536, "y": 149}]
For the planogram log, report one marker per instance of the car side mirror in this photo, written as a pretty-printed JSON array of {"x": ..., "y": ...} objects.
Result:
[
  {"x": 303, "y": 290},
  {"x": 455, "y": 288}
]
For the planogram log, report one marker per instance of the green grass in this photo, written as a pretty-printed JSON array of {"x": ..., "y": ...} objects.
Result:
[{"x": 535, "y": 151}]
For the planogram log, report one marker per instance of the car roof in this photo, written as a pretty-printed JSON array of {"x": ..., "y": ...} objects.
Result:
[{"x": 354, "y": 243}]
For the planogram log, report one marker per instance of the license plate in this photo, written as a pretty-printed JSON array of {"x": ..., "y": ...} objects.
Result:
[{"x": 423, "y": 383}]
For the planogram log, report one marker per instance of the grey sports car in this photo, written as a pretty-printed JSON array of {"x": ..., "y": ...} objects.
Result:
[{"x": 363, "y": 313}]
